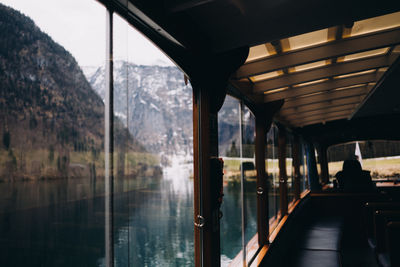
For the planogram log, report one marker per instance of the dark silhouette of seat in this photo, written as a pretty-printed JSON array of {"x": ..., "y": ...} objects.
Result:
[{"x": 353, "y": 179}]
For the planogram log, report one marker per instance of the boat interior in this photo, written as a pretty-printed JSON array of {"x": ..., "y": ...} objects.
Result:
[
  {"x": 327, "y": 72},
  {"x": 315, "y": 75}
]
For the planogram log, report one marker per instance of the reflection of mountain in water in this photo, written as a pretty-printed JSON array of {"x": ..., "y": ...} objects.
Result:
[{"x": 70, "y": 232}]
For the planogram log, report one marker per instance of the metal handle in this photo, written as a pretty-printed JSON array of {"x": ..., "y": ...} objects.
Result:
[
  {"x": 200, "y": 220},
  {"x": 260, "y": 191}
]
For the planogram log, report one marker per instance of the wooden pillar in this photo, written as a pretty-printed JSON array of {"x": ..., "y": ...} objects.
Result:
[
  {"x": 296, "y": 164},
  {"x": 205, "y": 133},
  {"x": 264, "y": 114},
  {"x": 262, "y": 185},
  {"x": 323, "y": 160},
  {"x": 282, "y": 172},
  {"x": 209, "y": 75}
]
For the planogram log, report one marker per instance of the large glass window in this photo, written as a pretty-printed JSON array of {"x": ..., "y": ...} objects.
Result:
[
  {"x": 236, "y": 145},
  {"x": 229, "y": 139},
  {"x": 52, "y": 134},
  {"x": 153, "y": 185},
  {"x": 273, "y": 172},
  {"x": 249, "y": 183},
  {"x": 303, "y": 169},
  {"x": 289, "y": 167},
  {"x": 380, "y": 157}
]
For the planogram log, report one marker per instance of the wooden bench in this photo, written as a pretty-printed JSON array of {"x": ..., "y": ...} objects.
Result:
[
  {"x": 320, "y": 243},
  {"x": 370, "y": 209},
  {"x": 393, "y": 242}
]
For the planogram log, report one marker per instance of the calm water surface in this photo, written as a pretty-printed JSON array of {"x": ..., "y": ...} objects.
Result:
[{"x": 61, "y": 223}]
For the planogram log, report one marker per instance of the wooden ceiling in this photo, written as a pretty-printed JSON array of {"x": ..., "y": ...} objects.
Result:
[{"x": 322, "y": 75}]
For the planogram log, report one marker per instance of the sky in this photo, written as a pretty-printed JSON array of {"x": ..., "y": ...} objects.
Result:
[{"x": 79, "y": 26}]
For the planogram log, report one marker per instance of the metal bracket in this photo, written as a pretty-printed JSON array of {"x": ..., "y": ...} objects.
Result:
[
  {"x": 260, "y": 191},
  {"x": 201, "y": 221}
]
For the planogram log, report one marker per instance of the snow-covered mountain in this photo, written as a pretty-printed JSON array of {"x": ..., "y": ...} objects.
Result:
[
  {"x": 154, "y": 102},
  {"x": 159, "y": 113}
]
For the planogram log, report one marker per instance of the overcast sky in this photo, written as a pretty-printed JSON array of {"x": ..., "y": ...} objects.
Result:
[{"x": 79, "y": 26}]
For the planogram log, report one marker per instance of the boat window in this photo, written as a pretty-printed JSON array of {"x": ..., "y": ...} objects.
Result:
[
  {"x": 303, "y": 169},
  {"x": 289, "y": 167},
  {"x": 318, "y": 161},
  {"x": 250, "y": 183},
  {"x": 273, "y": 172},
  {"x": 153, "y": 152},
  {"x": 229, "y": 140},
  {"x": 52, "y": 134},
  {"x": 380, "y": 157},
  {"x": 236, "y": 127}
]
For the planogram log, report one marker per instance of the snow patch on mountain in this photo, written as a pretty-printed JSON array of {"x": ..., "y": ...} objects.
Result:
[{"x": 155, "y": 101}]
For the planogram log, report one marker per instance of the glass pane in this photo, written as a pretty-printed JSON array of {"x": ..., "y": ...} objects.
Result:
[
  {"x": 380, "y": 157},
  {"x": 318, "y": 159},
  {"x": 229, "y": 149},
  {"x": 303, "y": 169},
  {"x": 250, "y": 183},
  {"x": 273, "y": 171},
  {"x": 153, "y": 203},
  {"x": 289, "y": 168},
  {"x": 52, "y": 133}
]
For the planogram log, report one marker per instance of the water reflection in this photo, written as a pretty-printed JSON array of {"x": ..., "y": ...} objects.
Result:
[
  {"x": 61, "y": 223},
  {"x": 159, "y": 231},
  {"x": 51, "y": 223}
]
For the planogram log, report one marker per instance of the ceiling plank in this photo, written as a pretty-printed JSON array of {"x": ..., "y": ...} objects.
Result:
[
  {"x": 321, "y": 52},
  {"x": 326, "y": 97},
  {"x": 325, "y": 110},
  {"x": 321, "y": 87},
  {"x": 323, "y": 104},
  {"x": 324, "y": 72},
  {"x": 315, "y": 121},
  {"x": 321, "y": 116}
]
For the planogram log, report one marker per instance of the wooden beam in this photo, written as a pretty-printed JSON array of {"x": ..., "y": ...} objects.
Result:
[
  {"x": 324, "y": 72},
  {"x": 321, "y": 87},
  {"x": 326, "y": 97},
  {"x": 321, "y": 117},
  {"x": 304, "y": 123},
  {"x": 321, "y": 52},
  {"x": 325, "y": 109},
  {"x": 300, "y": 116},
  {"x": 320, "y": 105}
]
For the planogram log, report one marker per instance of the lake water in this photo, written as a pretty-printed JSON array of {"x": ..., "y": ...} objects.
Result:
[{"x": 61, "y": 223}]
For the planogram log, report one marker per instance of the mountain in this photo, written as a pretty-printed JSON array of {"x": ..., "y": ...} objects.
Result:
[
  {"x": 51, "y": 121},
  {"x": 160, "y": 108},
  {"x": 159, "y": 105}
]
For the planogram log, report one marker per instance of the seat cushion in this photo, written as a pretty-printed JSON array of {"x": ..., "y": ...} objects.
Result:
[
  {"x": 328, "y": 223},
  {"x": 317, "y": 239},
  {"x": 317, "y": 258}
]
